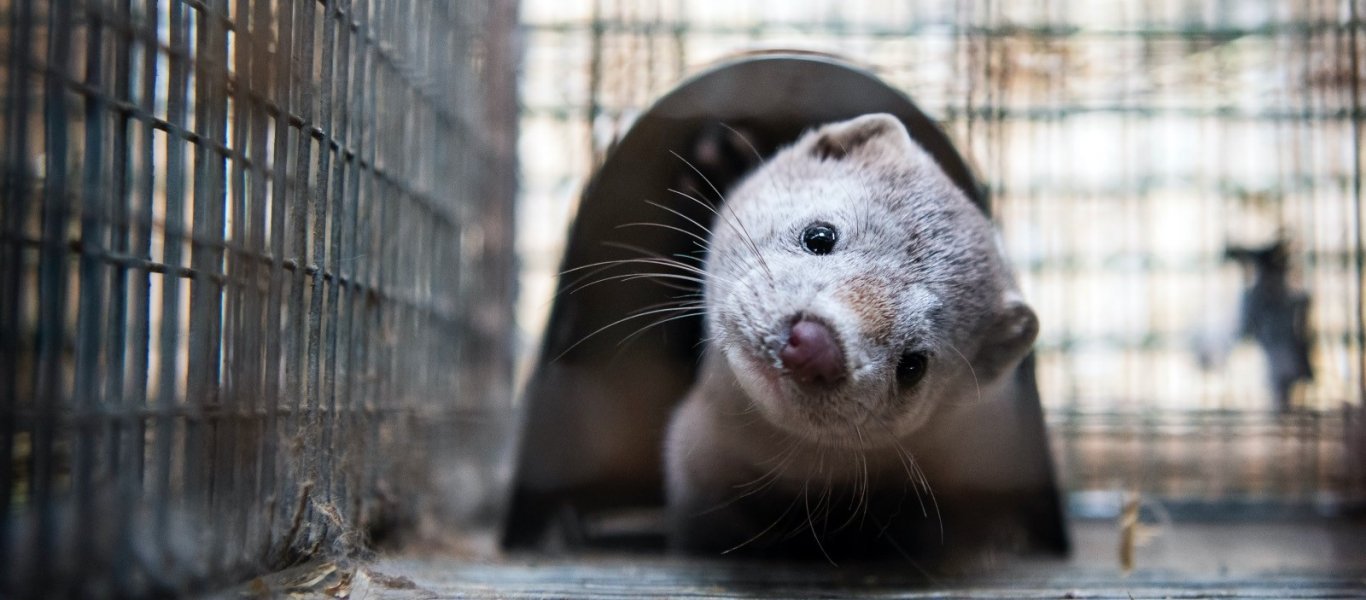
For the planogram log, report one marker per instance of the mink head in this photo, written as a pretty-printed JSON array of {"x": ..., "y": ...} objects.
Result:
[{"x": 854, "y": 289}]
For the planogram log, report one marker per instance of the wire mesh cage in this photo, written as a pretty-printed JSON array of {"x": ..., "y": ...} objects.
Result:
[
  {"x": 1133, "y": 151},
  {"x": 257, "y": 257},
  {"x": 257, "y": 282}
]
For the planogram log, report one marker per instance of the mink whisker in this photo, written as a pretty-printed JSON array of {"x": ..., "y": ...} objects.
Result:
[
  {"x": 695, "y": 313},
  {"x": 609, "y": 326},
  {"x": 765, "y": 530},
  {"x": 971, "y": 370},
  {"x": 806, "y": 497},
  {"x": 740, "y": 224},
  {"x": 915, "y": 475},
  {"x": 657, "y": 277},
  {"x": 745, "y": 139},
  {"x": 762, "y": 482},
  {"x": 665, "y": 226}
]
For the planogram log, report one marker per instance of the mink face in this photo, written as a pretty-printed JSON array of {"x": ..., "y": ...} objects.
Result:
[{"x": 853, "y": 289}]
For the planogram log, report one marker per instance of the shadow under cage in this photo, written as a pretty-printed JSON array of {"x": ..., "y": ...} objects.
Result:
[
  {"x": 257, "y": 270},
  {"x": 1136, "y": 156}
]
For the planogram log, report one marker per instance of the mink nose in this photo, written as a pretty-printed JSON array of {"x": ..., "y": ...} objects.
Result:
[{"x": 812, "y": 355}]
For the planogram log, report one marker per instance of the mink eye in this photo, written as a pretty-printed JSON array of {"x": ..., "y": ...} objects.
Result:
[
  {"x": 911, "y": 368},
  {"x": 819, "y": 238}
]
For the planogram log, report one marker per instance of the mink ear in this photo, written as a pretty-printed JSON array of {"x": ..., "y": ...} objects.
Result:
[
  {"x": 874, "y": 136},
  {"x": 1007, "y": 341}
]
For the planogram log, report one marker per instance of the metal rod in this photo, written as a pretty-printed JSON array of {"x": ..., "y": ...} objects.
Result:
[
  {"x": 12, "y": 256},
  {"x": 52, "y": 319},
  {"x": 93, "y": 295}
]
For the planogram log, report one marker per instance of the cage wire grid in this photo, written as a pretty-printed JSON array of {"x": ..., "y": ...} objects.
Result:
[
  {"x": 257, "y": 275},
  {"x": 1125, "y": 146},
  {"x": 256, "y": 267}
]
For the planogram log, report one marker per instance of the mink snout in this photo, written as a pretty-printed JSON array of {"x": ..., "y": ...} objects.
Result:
[{"x": 812, "y": 354}]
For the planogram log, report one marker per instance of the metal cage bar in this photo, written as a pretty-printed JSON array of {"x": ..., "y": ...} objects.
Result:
[{"x": 257, "y": 273}]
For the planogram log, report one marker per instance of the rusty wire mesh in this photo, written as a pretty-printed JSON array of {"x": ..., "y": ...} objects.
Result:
[
  {"x": 256, "y": 281},
  {"x": 1126, "y": 145}
]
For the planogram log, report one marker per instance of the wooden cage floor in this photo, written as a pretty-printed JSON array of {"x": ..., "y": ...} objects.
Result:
[{"x": 1237, "y": 559}]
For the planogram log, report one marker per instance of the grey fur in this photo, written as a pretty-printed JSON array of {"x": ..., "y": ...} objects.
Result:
[{"x": 916, "y": 268}]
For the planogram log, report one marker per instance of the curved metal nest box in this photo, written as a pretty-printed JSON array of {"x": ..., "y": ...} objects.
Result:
[{"x": 589, "y": 470}]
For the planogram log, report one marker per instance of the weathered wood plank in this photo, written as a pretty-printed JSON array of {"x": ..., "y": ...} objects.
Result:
[{"x": 1296, "y": 559}]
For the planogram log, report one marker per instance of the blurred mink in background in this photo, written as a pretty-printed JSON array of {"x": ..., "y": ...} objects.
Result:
[{"x": 1276, "y": 315}]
